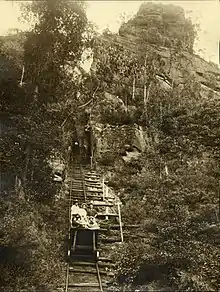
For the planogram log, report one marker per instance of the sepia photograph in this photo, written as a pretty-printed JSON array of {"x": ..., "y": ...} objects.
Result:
[{"x": 109, "y": 146}]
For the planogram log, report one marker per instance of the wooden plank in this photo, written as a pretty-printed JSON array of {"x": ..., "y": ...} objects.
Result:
[
  {"x": 89, "y": 181},
  {"x": 77, "y": 184},
  {"x": 76, "y": 190},
  {"x": 99, "y": 278},
  {"x": 93, "y": 184},
  {"x": 107, "y": 214},
  {"x": 92, "y": 174},
  {"x": 103, "y": 264},
  {"x": 120, "y": 222},
  {"x": 94, "y": 191},
  {"x": 98, "y": 186},
  {"x": 111, "y": 239},
  {"x": 83, "y": 271},
  {"x": 103, "y": 204},
  {"x": 80, "y": 263},
  {"x": 67, "y": 279},
  {"x": 116, "y": 226},
  {"x": 83, "y": 285},
  {"x": 104, "y": 259},
  {"x": 89, "y": 178}
]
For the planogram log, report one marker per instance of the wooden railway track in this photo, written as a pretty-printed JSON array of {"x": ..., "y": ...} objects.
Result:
[
  {"x": 77, "y": 272},
  {"x": 89, "y": 275}
]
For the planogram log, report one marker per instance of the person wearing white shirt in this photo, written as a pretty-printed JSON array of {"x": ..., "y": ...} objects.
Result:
[{"x": 75, "y": 209}]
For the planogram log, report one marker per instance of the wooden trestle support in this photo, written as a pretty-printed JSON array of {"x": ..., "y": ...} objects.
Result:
[{"x": 94, "y": 275}]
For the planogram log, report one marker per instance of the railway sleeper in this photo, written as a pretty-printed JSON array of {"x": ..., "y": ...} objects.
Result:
[
  {"x": 111, "y": 239},
  {"x": 102, "y": 204},
  {"x": 92, "y": 174},
  {"x": 82, "y": 263},
  {"x": 105, "y": 264},
  {"x": 79, "y": 183},
  {"x": 77, "y": 190},
  {"x": 92, "y": 181},
  {"x": 107, "y": 214},
  {"x": 88, "y": 174},
  {"x": 95, "y": 183},
  {"x": 93, "y": 186},
  {"x": 93, "y": 264},
  {"x": 86, "y": 285},
  {"x": 95, "y": 190},
  {"x": 83, "y": 271}
]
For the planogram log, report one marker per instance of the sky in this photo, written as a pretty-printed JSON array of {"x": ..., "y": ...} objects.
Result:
[{"x": 108, "y": 14}]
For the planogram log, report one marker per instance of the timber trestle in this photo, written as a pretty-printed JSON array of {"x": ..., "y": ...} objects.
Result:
[{"x": 84, "y": 271}]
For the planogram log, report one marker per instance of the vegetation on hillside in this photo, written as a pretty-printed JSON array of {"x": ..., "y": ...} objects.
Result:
[
  {"x": 171, "y": 190},
  {"x": 37, "y": 94}
]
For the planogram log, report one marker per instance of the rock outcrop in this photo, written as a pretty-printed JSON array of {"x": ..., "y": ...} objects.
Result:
[{"x": 179, "y": 65}]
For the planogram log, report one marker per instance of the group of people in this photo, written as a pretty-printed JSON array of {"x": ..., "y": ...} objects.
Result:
[{"x": 84, "y": 216}]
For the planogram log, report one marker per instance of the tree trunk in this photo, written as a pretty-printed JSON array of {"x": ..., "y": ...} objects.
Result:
[
  {"x": 133, "y": 89},
  {"x": 145, "y": 93},
  {"x": 126, "y": 102},
  {"x": 145, "y": 85},
  {"x": 22, "y": 76},
  {"x": 161, "y": 114},
  {"x": 148, "y": 92},
  {"x": 28, "y": 151}
]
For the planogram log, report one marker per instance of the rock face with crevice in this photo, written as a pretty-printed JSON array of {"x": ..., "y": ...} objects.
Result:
[{"x": 179, "y": 63}]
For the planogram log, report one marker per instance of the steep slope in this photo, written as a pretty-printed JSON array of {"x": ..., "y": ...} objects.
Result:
[
  {"x": 155, "y": 121},
  {"x": 176, "y": 68}
]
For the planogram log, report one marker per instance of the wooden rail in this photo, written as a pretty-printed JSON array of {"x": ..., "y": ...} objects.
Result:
[
  {"x": 120, "y": 222},
  {"x": 99, "y": 277},
  {"x": 77, "y": 186},
  {"x": 83, "y": 182},
  {"x": 67, "y": 278}
]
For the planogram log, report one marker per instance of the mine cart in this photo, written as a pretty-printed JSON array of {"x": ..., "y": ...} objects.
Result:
[{"x": 83, "y": 244}]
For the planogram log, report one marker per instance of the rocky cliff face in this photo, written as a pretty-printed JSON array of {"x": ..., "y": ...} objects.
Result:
[{"x": 177, "y": 65}]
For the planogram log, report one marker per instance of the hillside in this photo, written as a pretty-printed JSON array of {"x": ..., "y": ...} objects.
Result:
[
  {"x": 155, "y": 120},
  {"x": 145, "y": 118}
]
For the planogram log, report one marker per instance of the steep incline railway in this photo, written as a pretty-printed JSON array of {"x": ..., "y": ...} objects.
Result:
[{"x": 89, "y": 266}]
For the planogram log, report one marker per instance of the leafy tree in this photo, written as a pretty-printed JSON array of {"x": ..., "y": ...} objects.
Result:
[
  {"x": 32, "y": 234},
  {"x": 58, "y": 39}
]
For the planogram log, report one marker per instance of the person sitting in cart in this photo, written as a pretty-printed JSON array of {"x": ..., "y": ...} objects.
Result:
[
  {"x": 93, "y": 224},
  {"x": 75, "y": 209},
  {"x": 76, "y": 220},
  {"x": 84, "y": 217},
  {"x": 91, "y": 211},
  {"x": 83, "y": 211}
]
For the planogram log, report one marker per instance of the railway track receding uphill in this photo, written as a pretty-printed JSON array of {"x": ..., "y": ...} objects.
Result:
[{"x": 87, "y": 274}]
